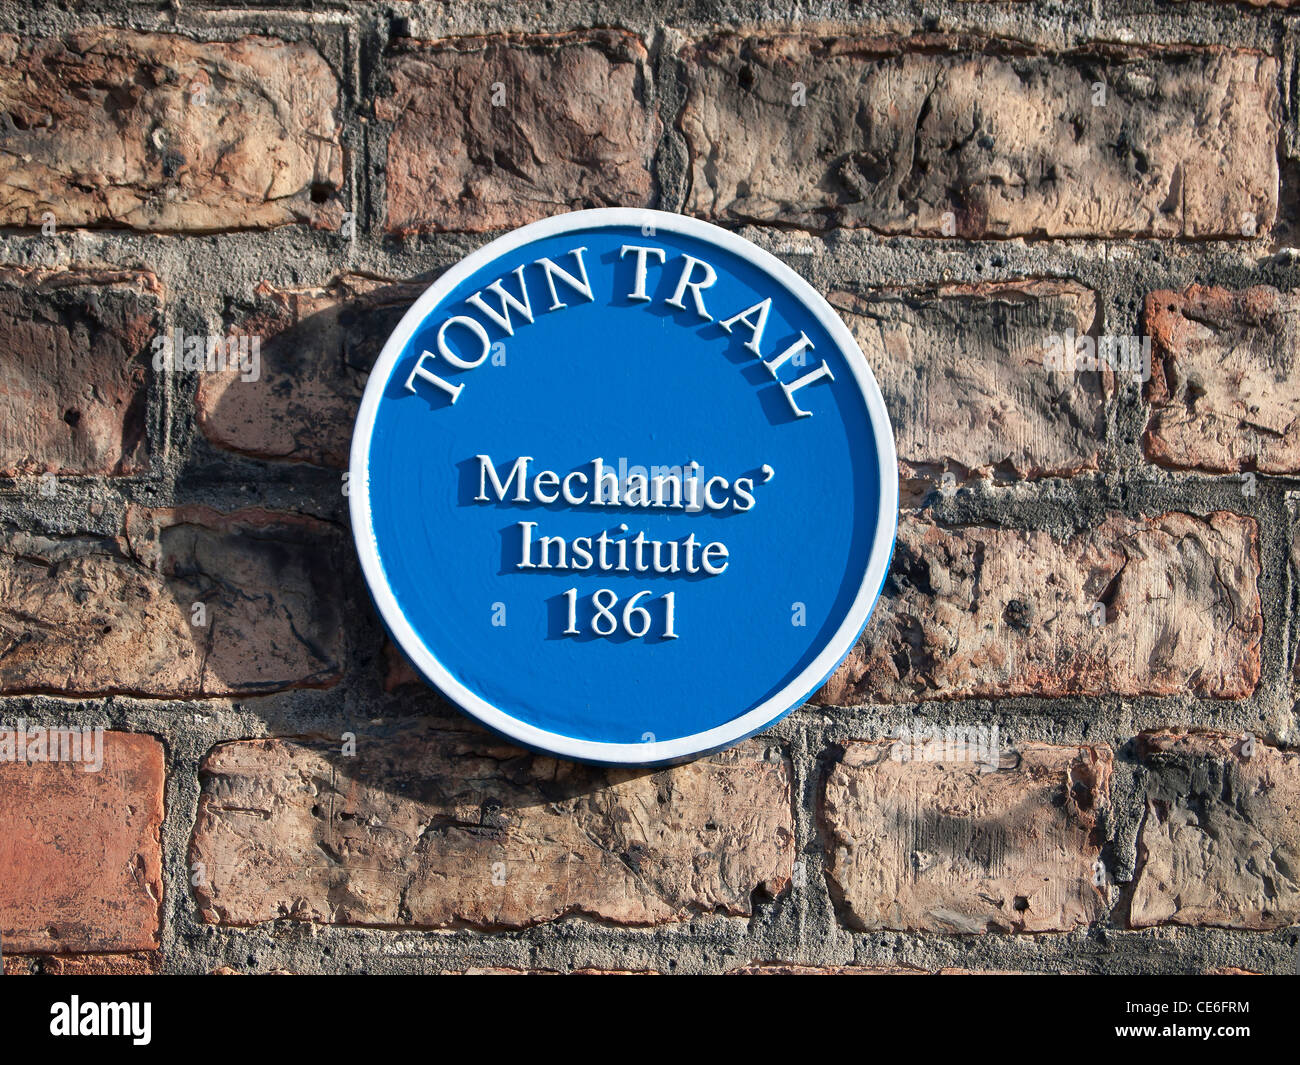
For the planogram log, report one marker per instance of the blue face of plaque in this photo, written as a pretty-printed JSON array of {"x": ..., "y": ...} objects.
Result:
[{"x": 623, "y": 487}]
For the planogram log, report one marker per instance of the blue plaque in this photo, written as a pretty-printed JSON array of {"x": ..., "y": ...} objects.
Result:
[{"x": 623, "y": 487}]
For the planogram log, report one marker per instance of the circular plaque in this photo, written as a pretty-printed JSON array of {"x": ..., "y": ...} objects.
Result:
[{"x": 623, "y": 487}]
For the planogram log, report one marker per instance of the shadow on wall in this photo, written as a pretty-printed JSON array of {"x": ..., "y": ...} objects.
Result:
[
  {"x": 316, "y": 350},
  {"x": 435, "y": 825},
  {"x": 187, "y": 602},
  {"x": 431, "y": 821},
  {"x": 191, "y": 601},
  {"x": 426, "y": 819}
]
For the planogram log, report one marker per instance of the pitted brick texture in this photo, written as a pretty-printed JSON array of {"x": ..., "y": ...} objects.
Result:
[
  {"x": 74, "y": 374},
  {"x": 316, "y": 348},
  {"x": 987, "y": 844},
  {"x": 572, "y": 127},
  {"x": 435, "y": 829},
  {"x": 895, "y": 140},
  {"x": 962, "y": 371},
  {"x": 1220, "y": 842},
  {"x": 1224, "y": 392},
  {"x": 160, "y": 132},
  {"x": 1158, "y": 606},
  {"x": 187, "y": 602}
]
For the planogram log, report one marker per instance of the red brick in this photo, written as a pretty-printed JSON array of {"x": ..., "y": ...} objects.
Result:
[
  {"x": 316, "y": 349},
  {"x": 960, "y": 847},
  {"x": 437, "y": 829},
  {"x": 962, "y": 371},
  {"x": 1220, "y": 842},
  {"x": 576, "y": 129},
  {"x": 140, "y": 964},
  {"x": 80, "y": 859},
  {"x": 1293, "y": 506},
  {"x": 1224, "y": 373},
  {"x": 86, "y": 615},
  {"x": 893, "y": 136},
  {"x": 500, "y": 971},
  {"x": 973, "y": 611},
  {"x": 73, "y": 381},
  {"x": 159, "y": 132},
  {"x": 783, "y": 969}
]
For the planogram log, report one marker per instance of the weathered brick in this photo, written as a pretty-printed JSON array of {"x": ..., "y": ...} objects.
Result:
[
  {"x": 1224, "y": 373},
  {"x": 784, "y": 969},
  {"x": 86, "y": 615},
  {"x": 1185, "y": 145},
  {"x": 73, "y": 380},
  {"x": 80, "y": 859},
  {"x": 1293, "y": 506},
  {"x": 138, "y": 964},
  {"x": 575, "y": 129},
  {"x": 502, "y": 971},
  {"x": 160, "y": 132},
  {"x": 1220, "y": 841},
  {"x": 973, "y": 611},
  {"x": 962, "y": 371},
  {"x": 316, "y": 348},
  {"x": 436, "y": 828},
  {"x": 961, "y": 847}
]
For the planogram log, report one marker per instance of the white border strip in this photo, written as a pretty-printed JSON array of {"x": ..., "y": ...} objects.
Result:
[{"x": 657, "y": 751}]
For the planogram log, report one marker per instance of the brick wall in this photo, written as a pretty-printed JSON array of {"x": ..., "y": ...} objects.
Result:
[{"x": 1102, "y": 569}]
